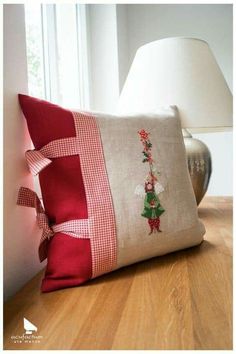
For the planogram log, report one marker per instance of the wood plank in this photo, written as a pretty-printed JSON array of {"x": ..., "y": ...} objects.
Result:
[
  {"x": 157, "y": 314},
  {"x": 179, "y": 301}
]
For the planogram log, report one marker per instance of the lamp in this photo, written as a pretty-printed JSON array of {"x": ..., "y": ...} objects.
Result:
[{"x": 183, "y": 72}]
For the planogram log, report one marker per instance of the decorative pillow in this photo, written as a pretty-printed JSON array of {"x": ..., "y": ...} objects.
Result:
[{"x": 116, "y": 190}]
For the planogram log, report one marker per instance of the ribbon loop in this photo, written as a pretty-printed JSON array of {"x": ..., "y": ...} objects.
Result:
[
  {"x": 36, "y": 161},
  {"x": 39, "y": 159}
]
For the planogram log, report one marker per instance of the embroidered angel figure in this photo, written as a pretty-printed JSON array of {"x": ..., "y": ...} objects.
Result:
[{"x": 151, "y": 188}]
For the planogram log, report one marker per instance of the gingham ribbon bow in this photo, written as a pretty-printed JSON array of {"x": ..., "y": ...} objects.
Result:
[
  {"x": 39, "y": 159},
  {"x": 75, "y": 228}
]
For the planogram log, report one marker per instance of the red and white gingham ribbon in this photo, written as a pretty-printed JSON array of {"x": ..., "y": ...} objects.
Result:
[
  {"x": 102, "y": 226},
  {"x": 39, "y": 159},
  {"x": 75, "y": 228}
]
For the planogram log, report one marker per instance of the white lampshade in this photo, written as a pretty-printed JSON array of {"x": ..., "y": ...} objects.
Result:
[{"x": 182, "y": 72}]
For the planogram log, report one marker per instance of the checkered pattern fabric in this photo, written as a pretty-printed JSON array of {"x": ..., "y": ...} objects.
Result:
[
  {"x": 102, "y": 230},
  {"x": 74, "y": 228},
  {"x": 36, "y": 161},
  {"x": 39, "y": 159},
  {"x": 28, "y": 198}
]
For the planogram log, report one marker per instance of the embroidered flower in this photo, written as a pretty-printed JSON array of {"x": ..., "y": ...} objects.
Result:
[{"x": 143, "y": 134}]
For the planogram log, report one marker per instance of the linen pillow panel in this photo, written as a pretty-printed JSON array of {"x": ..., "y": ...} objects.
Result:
[{"x": 115, "y": 190}]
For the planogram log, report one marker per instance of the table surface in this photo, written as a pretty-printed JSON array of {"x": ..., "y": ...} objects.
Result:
[{"x": 179, "y": 301}]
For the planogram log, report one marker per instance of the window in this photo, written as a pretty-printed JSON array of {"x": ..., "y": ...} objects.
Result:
[{"x": 56, "y": 39}]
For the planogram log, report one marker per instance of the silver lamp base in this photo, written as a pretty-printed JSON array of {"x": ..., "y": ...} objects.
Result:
[{"x": 199, "y": 164}]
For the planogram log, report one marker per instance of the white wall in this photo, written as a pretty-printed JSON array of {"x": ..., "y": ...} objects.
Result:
[
  {"x": 140, "y": 24},
  {"x": 21, "y": 236}
]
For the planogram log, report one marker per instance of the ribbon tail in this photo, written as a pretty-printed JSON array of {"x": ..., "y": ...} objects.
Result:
[
  {"x": 28, "y": 198},
  {"x": 43, "y": 250}
]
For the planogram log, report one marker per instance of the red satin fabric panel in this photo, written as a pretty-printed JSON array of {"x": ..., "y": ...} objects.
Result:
[
  {"x": 69, "y": 259},
  {"x": 46, "y": 121},
  {"x": 67, "y": 263},
  {"x": 63, "y": 190}
]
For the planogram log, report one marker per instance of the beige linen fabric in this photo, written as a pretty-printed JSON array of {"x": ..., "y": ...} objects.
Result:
[{"x": 122, "y": 148}]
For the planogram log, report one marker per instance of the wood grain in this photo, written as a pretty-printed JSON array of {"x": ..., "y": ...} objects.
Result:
[{"x": 179, "y": 301}]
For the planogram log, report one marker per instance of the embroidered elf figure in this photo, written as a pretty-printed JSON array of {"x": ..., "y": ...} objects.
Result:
[{"x": 152, "y": 206}]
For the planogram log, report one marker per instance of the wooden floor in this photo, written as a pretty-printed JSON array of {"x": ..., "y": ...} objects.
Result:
[{"x": 179, "y": 301}]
